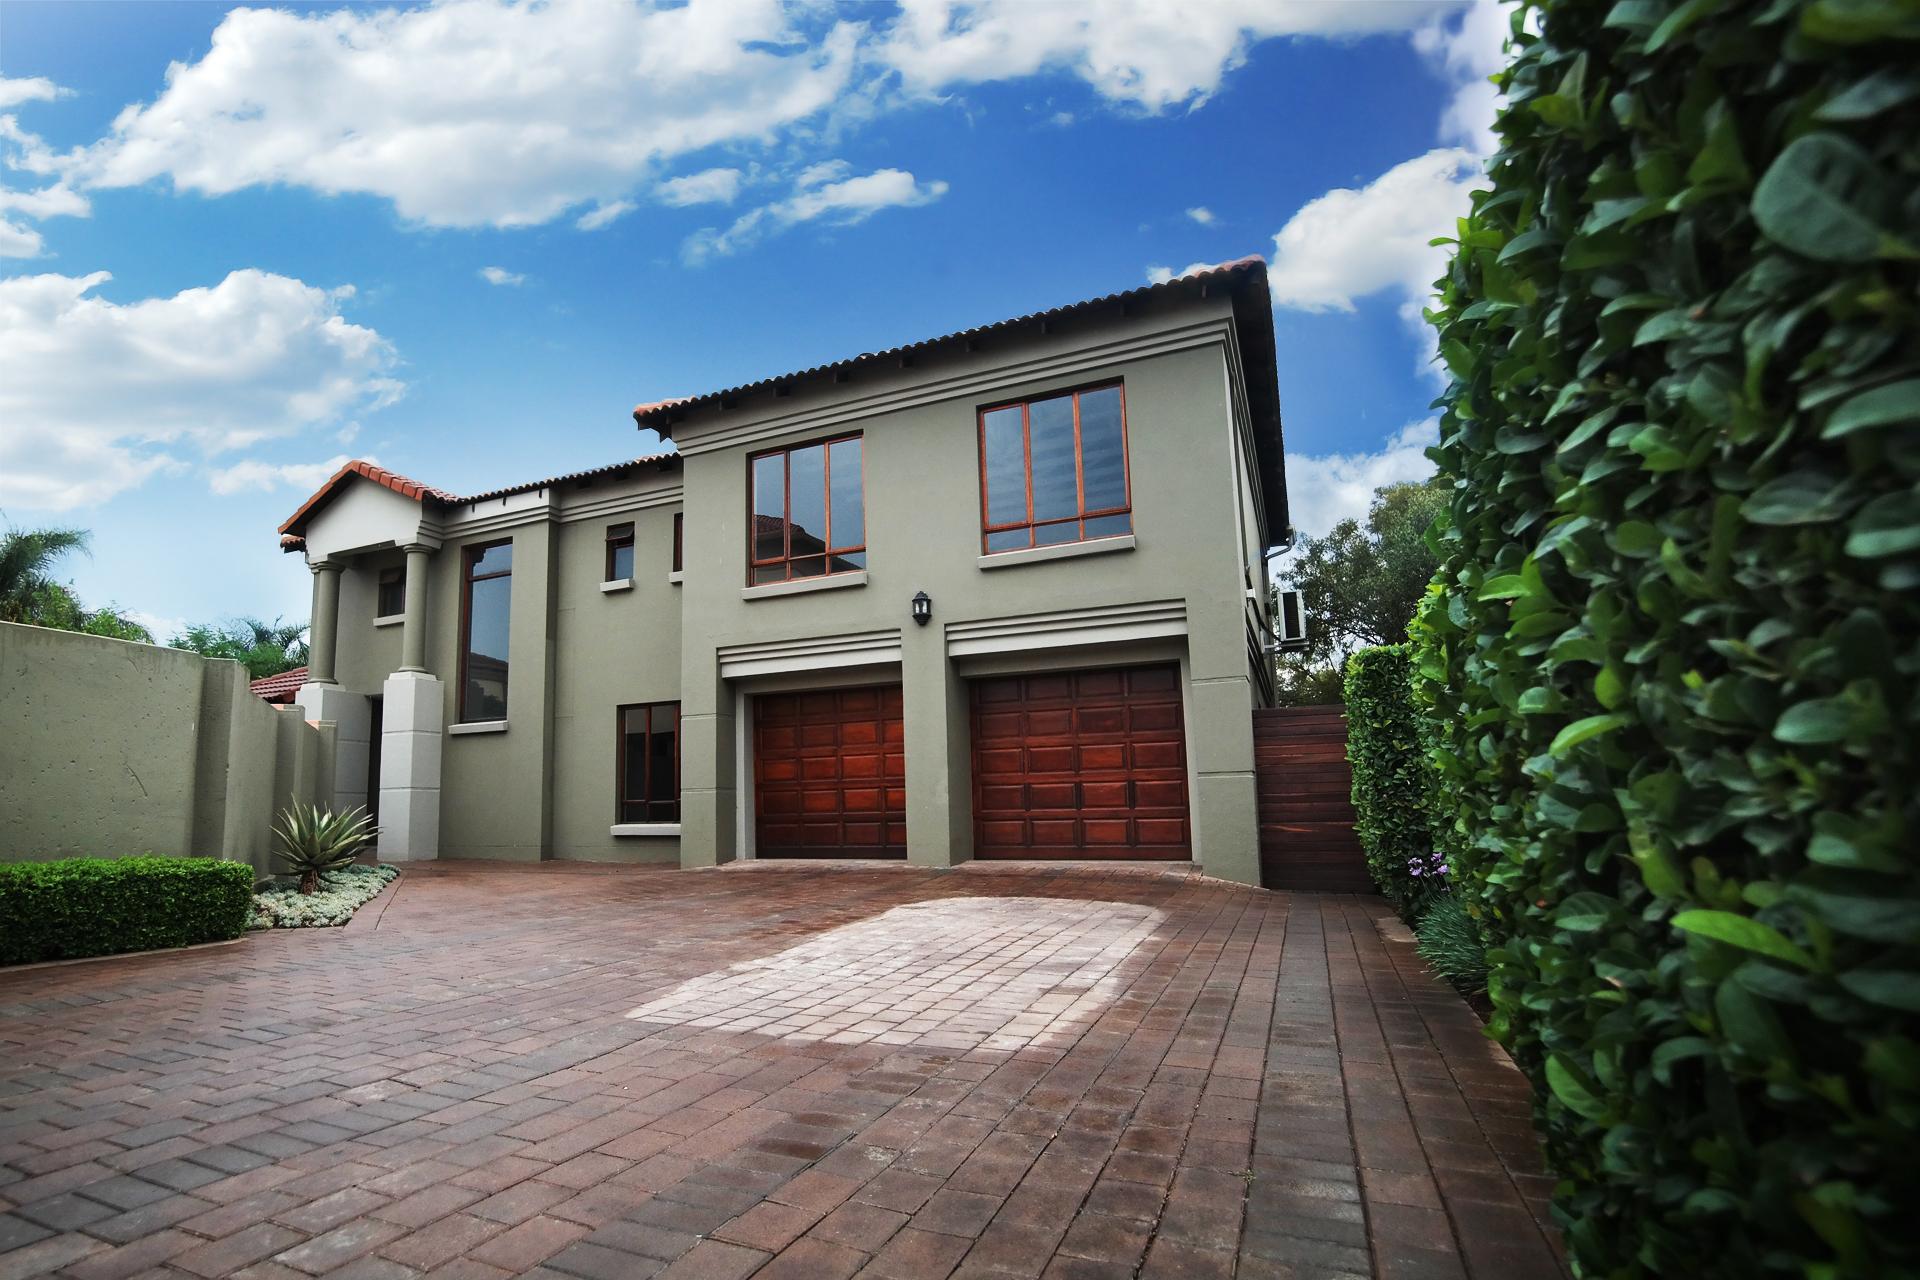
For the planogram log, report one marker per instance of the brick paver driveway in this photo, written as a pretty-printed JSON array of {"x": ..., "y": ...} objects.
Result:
[{"x": 768, "y": 1070}]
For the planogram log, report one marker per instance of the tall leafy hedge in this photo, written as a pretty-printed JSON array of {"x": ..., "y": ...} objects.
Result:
[
  {"x": 1390, "y": 777},
  {"x": 1674, "y": 650},
  {"x": 99, "y": 906}
]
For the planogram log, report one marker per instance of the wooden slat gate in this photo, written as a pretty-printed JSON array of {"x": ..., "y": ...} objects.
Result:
[{"x": 1306, "y": 808}]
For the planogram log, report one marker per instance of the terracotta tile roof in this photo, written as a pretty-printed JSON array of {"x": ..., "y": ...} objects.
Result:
[
  {"x": 1245, "y": 280},
  {"x": 291, "y": 532},
  {"x": 282, "y": 687}
]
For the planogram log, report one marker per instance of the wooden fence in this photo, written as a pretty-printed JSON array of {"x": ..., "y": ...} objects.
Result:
[{"x": 1306, "y": 811}]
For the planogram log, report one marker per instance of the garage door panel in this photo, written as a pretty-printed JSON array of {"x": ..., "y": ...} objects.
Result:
[
  {"x": 1080, "y": 764},
  {"x": 827, "y": 771},
  {"x": 1158, "y": 755}
]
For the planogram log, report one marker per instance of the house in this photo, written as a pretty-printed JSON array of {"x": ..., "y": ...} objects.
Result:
[
  {"x": 1000, "y": 594},
  {"x": 279, "y": 689}
]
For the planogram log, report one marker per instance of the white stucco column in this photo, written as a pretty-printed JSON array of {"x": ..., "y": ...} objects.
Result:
[{"x": 412, "y": 711}]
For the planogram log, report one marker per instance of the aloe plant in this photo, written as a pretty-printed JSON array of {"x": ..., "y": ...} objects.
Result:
[{"x": 313, "y": 840}]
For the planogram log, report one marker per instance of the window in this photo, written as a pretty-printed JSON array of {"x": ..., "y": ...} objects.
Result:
[
  {"x": 486, "y": 606},
  {"x": 619, "y": 552},
  {"x": 679, "y": 518},
  {"x": 390, "y": 600},
  {"x": 809, "y": 512},
  {"x": 1055, "y": 470},
  {"x": 649, "y": 770}
]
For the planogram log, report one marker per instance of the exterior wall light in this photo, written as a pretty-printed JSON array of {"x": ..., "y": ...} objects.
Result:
[{"x": 922, "y": 607}]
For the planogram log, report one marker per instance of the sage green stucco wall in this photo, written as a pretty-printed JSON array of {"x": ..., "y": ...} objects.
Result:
[
  {"x": 921, "y": 467},
  {"x": 543, "y": 787},
  {"x": 616, "y": 648},
  {"x": 109, "y": 748}
]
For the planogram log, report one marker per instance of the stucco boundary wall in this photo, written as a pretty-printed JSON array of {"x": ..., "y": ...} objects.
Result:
[{"x": 109, "y": 748}]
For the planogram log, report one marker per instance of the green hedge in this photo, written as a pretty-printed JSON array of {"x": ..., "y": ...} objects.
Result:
[
  {"x": 1390, "y": 775},
  {"x": 100, "y": 906},
  {"x": 1675, "y": 656}
]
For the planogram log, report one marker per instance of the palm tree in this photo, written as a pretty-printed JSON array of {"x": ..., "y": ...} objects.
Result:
[
  {"x": 282, "y": 637},
  {"x": 26, "y": 556}
]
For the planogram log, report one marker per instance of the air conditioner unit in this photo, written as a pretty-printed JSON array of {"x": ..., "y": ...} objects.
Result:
[{"x": 1290, "y": 622}]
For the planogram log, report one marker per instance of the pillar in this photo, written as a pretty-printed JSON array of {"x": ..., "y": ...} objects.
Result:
[
  {"x": 323, "y": 633},
  {"x": 413, "y": 707}
]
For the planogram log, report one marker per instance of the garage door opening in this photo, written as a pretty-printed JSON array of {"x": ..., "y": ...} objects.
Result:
[
  {"x": 1081, "y": 764},
  {"x": 830, "y": 774}
]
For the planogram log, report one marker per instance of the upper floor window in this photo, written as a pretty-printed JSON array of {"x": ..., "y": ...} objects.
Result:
[
  {"x": 1054, "y": 470},
  {"x": 390, "y": 600},
  {"x": 486, "y": 606},
  {"x": 679, "y": 524},
  {"x": 649, "y": 770},
  {"x": 619, "y": 552},
  {"x": 809, "y": 512}
]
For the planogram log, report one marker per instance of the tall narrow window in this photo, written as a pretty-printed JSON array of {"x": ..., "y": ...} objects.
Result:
[
  {"x": 391, "y": 599},
  {"x": 1054, "y": 470},
  {"x": 649, "y": 770},
  {"x": 619, "y": 552},
  {"x": 679, "y": 523},
  {"x": 809, "y": 512},
  {"x": 485, "y": 615}
]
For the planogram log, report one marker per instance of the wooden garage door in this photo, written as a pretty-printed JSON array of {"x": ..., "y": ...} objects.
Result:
[
  {"x": 1081, "y": 764},
  {"x": 830, "y": 774}
]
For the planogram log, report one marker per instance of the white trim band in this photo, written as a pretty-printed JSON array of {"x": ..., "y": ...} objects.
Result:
[
  {"x": 644, "y": 829},
  {"x": 477, "y": 726},
  {"x": 1110, "y": 624}
]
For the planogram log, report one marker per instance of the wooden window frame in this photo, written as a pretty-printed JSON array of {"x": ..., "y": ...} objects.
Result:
[
  {"x": 620, "y": 761},
  {"x": 615, "y": 540},
  {"x": 679, "y": 527},
  {"x": 396, "y": 574},
  {"x": 827, "y": 552},
  {"x": 1025, "y": 405},
  {"x": 469, "y": 555}
]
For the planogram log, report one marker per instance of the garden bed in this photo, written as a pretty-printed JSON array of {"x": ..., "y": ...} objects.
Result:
[{"x": 341, "y": 893}]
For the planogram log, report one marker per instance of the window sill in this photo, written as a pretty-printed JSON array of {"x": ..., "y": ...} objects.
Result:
[
  {"x": 644, "y": 829},
  {"x": 800, "y": 586},
  {"x": 675, "y": 575},
  {"x": 478, "y": 726},
  {"x": 1064, "y": 551},
  {"x": 391, "y": 620},
  {"x": 617, "y": 584}
]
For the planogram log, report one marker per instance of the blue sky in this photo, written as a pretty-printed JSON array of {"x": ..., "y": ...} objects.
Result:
[{"x": 299, "y": 219}]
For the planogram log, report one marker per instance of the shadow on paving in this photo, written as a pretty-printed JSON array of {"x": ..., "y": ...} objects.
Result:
[{"x": 772, "y": 1070}]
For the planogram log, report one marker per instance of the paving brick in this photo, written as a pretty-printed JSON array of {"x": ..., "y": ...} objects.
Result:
[{"x": 998, "y": 1070}]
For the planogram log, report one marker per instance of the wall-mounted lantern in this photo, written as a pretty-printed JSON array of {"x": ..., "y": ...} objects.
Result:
[{"x": 922, "y": 608}]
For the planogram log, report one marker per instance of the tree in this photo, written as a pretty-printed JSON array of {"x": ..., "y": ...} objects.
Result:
[
  {"x": 264, "y": 648},
  {"x": 1360, "y": 586},
  {"x": 29, "y": 594},
  {"x": 26, "y": 557}
]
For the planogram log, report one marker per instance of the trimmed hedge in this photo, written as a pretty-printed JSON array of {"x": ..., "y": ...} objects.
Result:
[
  {"x": 1390, "y": 775},
  {"x": 1675, "y": 654},
  {"x": 100, "y": 906}
]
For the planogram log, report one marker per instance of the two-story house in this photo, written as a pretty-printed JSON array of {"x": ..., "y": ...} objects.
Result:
[{"x": 1000, "y": 594}]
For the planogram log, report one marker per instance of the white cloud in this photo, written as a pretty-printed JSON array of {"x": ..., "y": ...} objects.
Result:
[
  {"x": 476, "y": 112},
  {"x": 97, "y": 396},
  {"x": 1151, "y": 55},
  {"x": 21, "y": 150},
  {"x": 500, "y": 275},
  {"x": 1468, "y": 48},
  {"x": 1161, "y": 275},
  {"x": 820, "y": 192},
  {"x": 1202, "y": 215},
  {"x": 251, "y": 473},
  {"x": 709, "y": 186},
  {"x": 604, "y": 214},
  {"x": 18, "y": 89},
  {"x": 1350, "y": 243},
  {"x": 1322, "y": 491}
]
